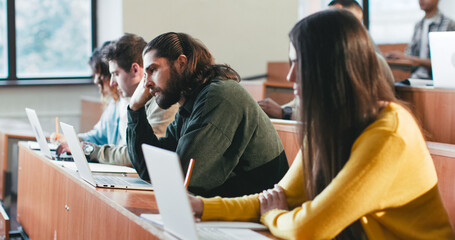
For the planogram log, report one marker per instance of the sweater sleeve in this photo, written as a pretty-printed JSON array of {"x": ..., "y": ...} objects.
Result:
[
  {"x": 139, "y": 132},
  {"x": 247, "y": 208},
  {"x": 111, "y": 154},
  {"x": 357, "y": 190}
]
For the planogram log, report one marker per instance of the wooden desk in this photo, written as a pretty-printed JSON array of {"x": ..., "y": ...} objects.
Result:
[
  {"x": 277, "y": 87},
  {"x": 91, "y": 111},
  {"x": 11, "y": 132},
  {"x": 400, "y": 69},
  {"x": 288, "y": 132},
  {"x": 434, "y": 109},
  {"x": 444, "y": 161},
  {"x": 402, "y": 64},
  {"x": 54, "y": 203}
]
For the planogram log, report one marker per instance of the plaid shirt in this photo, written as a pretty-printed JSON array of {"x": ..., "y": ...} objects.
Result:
[{"x": 441, "y": 23}]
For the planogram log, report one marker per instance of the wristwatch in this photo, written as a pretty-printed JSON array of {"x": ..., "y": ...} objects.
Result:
[
  {"x": 286, "y": 112},
  {"x": 88, "y": 149}
]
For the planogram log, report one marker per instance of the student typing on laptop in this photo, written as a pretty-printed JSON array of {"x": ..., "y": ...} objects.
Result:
[
  {"x": 236, "y": 148},
  {"x": 124, "y": 57},
  {"x": 364, "y": 171},
  {"x": 418, "y": 51}
]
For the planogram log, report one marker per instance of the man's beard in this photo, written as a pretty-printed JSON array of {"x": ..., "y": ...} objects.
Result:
[{"x": 171, "y": 95}]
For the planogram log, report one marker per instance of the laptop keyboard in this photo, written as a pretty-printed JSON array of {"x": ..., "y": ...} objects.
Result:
[
  {"x": 117, "y": 181},
  {"x": 206, "y": 233}
]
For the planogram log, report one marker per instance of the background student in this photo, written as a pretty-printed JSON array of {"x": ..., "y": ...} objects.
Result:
[
  {"x": 288, "y": 110},
  {"x": 418, "y": 50},
  {"x": 126, "y": 67},
  {"x": 364, "y": 170},
  {"x": 235, "y": 147},
  {"x": 106, "y": 130}
]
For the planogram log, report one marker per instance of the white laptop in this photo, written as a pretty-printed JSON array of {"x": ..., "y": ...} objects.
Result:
[
  {"x": 39, "y": 135},
  {"x": 442, "y": 51},
  {"x": 85, "y": 173},
  {"x": 175, "y": 210}
]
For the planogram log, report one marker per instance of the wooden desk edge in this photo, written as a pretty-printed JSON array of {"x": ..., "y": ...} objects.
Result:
[
  {"x": 137, "y": 219},
  {"x": 424, "y": 89}
]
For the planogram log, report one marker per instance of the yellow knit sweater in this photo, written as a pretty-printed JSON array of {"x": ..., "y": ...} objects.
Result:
[{"x": 389, "y": 183}]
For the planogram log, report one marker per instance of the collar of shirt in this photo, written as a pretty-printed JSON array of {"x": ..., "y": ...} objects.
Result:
[
  {"x": 436, "y": 19},
  {"x": 188, "y": 105}
]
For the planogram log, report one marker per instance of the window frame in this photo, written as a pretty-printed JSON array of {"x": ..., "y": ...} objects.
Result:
[{"x": 12, "y": 79}]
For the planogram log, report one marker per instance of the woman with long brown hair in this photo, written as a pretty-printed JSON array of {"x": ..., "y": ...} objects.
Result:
[{"x": 364, "y": 170}]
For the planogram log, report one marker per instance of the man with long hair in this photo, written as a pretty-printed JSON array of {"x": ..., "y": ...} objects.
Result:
[{"x": 235, "y": 147}]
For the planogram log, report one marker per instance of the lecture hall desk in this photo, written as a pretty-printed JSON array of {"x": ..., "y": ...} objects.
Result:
[
  {"x": 54, "y": 203},
  {"x": 435, "y": 110},
  {"x": 11, "y": 132}
]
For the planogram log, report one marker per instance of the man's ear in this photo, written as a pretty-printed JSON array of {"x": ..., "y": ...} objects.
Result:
[
  {"x": 136, "y": 69},
  {"x": 180, "y": 63}
]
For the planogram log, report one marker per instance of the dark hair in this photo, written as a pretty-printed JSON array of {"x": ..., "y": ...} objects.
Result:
[
  {"x": 346, "y": 3},
  {"x": 200, "y": 67},
  {"x": 98, "y": 63},
  {"x": 341, "y": 89},
  {"x": 126, "y": 51}
]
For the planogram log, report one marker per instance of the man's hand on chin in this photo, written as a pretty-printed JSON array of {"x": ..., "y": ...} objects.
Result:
[{"x": 141, "y": 96}]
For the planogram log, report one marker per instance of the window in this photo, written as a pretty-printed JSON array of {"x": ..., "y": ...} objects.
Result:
[
  {"x": 53, "y": 41},
  {"x": 393, "y": 21}
]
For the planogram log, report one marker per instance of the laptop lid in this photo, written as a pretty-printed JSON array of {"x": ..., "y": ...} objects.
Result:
[
  {"x": 442, "y": 51},
  {"x": 83, "y": 167},
  {"x": 78, "y": 155},
  {"x": 171, "y": 196},
  {"x": 38, "y": 131}
]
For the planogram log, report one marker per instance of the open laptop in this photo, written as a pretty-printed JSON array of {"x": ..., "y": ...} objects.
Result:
[
  {"x": 173, "y": 203},
  {"x": 85, "y": 173},
  {"x": 40, "y": 138},
  {"x": 442, "y": 51}
]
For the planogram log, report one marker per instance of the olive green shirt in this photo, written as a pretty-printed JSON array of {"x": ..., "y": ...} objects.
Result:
[
  {"x": 158, "y": 118},
  {"x": 235, "y": 146}
]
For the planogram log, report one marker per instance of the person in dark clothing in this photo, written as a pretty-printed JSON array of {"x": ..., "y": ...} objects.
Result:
[{"x": 236, "y": 149}]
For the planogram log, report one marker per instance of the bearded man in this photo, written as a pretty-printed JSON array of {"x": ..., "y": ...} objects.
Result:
[{"x": 235, "y": 147}]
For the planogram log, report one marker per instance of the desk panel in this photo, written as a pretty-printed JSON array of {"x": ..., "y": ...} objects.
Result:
[
  {"x": 288, "y": 132},
  {"x": 11, "y": 132},
  {"x": 444, "y": 161},
  {"x": 434, "y": 110},
  {"x": 91, "y": 111},
  {"x": 55, "y": 203}
]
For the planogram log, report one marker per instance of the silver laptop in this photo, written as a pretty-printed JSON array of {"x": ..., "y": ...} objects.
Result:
[
  {"x": 36, "y": 126},
  {"x": 175, "y": 210},
  {"x": 85, "y": 173},
  {"x": 442, "y": 51}
]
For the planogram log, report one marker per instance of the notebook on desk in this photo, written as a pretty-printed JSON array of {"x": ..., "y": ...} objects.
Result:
[
  {"x": 86, "y": 174},
  {"x": 442, "y": 51},
  {"x": 44, "y": 146},
  {"x": 172, "y": 200}
]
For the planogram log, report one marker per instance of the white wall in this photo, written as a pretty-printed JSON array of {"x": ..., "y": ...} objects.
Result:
[
  {"x": 110, "y": 20},
  {"x": 243, "y": 34},
  {"x": 48, "y": 101}
]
